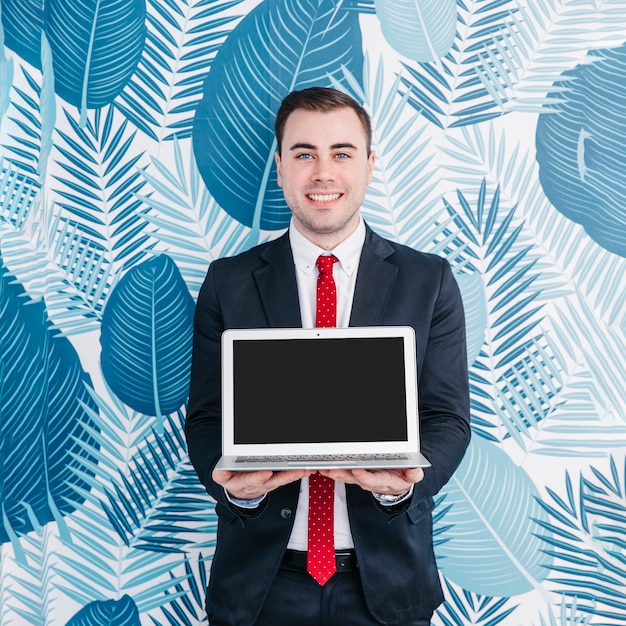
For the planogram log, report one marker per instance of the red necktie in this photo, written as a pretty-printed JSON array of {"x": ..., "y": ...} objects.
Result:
[{"x": 321, "y": 532}]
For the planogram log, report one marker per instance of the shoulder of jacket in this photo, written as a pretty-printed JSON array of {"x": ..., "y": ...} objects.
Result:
[
  {"x": 251, "y": 256},
  {"x": 387, "y": 247}
]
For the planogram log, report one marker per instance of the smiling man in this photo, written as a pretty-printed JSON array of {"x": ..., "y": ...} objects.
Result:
[{"x": 382, "y": 568}]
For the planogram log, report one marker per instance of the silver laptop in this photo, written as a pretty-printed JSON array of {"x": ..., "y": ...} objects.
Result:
[{"x": 319, "y": 398}]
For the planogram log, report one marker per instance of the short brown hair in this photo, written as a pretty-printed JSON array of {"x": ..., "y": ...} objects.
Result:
[{"x": 320, "y": 100}]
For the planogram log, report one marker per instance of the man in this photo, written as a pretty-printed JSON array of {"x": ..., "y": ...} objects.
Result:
[{"x": 386, "y": 571}]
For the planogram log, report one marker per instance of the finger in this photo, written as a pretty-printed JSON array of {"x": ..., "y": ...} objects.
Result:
[
  {"x": 221, "y": 477},
  {"x": 288, "y": 476},
  {"x": 414, "y": 475},
  {"x": 258, "y": 478},
  {"x": 247, "y": 485},
  {"x": 393, "y": 481},
  {"x": 344, "y": 476}
]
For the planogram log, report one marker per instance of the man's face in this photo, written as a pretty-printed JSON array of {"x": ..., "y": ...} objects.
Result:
[{"x": 324, "y": 170}]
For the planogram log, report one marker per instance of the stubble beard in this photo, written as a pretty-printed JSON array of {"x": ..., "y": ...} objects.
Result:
[
  {"x": 320, "y": 221},
  {"x": 324, "y": 226}
]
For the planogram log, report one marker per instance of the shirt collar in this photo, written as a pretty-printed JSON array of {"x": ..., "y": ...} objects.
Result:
[{"x": 348, "y": 252}]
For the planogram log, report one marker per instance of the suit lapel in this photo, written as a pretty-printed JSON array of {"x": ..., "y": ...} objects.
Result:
[
  {"x": 278, "y": 290},
  {"x": 374, "y": 282},
  {"x": 276, "y": 282}
]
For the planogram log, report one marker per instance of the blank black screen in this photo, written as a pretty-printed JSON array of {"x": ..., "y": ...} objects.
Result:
[{"x": 319, "y": 390}]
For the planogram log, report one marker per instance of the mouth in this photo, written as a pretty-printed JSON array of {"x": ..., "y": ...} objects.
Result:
[{"x": 323, "y": 197}]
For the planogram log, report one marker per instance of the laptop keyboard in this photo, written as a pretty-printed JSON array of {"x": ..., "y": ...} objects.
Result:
[{"x": 323, "y": 458}]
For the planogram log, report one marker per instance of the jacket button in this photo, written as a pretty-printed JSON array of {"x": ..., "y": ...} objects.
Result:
[{"x": 285, "y": 513}]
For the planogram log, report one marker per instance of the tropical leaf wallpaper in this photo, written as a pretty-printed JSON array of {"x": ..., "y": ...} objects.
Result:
[{"x": 136, "y": 146}]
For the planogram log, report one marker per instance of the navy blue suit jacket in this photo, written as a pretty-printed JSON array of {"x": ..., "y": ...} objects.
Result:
[{"x": 395, "y": 285}]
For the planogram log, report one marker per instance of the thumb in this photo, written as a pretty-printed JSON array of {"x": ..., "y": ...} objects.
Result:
[
  {"x": 221, "y": 477},
  {"x": 414, "y": 475}
]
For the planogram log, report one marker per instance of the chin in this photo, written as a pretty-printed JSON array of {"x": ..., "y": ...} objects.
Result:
[{"x": 325, "y": 228}]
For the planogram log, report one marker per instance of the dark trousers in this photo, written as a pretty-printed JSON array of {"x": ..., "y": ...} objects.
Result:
[{"x": 297, "y": 599}]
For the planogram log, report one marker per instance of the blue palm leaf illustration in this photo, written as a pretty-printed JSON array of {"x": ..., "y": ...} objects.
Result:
[
  {"x": 37, "y": 111},
  {"x": 146, "y": 337},
  {"x": 279, "y": 46},
  {"x": 95, "y": 47},
  {"x": 485, "y": 494},
  {"x": 475, "y": 304},
  {"x": 187, "y": 220},
  {"x": 98, "y": 183},
  {"x": 122, "y": 612},
  {"x": 182, "y": 40},
  {"x": 447, "y": 91},
  {"x": 45, "y": 404},
  {"x": 23, "y": 23},
  {"x": 75, "y": 290},
  {"x": 422, "y": 31},
  {"x": 399, "y": 198},
  {"x": 25, "y": 114},
  {"x": 147, "y": 494},
  {"x": 586, "y": 539},
  {"x": 581, "y": 149},
  {"x": 161, "y": 504},
  {"x": 188, "y": 608},
  {"x": 495, "y": 254},
  {"x": 462, "y": 605}
]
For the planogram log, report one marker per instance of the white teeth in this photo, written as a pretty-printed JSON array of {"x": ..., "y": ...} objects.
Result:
[{"x": 317, "y": 197}]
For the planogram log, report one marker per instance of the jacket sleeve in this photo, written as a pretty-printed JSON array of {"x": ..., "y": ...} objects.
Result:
[
  {"x": 443, "y": 389},
  {"x": 203, "y": 426}
]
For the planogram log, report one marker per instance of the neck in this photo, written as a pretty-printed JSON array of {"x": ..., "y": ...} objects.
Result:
[{"x": 327, "y": 241}]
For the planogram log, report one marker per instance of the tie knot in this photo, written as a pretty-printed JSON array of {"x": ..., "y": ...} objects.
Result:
[{"x": 325, "y": 263}]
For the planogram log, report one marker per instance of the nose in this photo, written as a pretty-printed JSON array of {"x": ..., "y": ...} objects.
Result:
[{"x": 323, "y": 171}]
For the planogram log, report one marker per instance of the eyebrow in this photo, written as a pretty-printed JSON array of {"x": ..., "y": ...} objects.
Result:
[{"x": 310, "y": 146}]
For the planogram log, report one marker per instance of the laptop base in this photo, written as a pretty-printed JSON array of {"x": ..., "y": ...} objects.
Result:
[{"x": 399, "y": 460}]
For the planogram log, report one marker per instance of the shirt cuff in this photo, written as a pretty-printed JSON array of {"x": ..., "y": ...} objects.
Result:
[
  {"x": 244, "y": 504},
  {"x": 387, "y": 500}
]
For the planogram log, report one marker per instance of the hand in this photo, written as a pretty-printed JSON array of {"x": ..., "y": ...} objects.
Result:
[
  {"x": 249, "y": 485},
  {"x": 393, "y": 482}
]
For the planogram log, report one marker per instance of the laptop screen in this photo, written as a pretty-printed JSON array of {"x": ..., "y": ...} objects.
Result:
[{"x": 323, "y": 390}]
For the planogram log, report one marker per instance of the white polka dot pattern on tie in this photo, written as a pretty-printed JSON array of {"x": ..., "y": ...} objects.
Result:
[
  {"x": 321, "y": 562},
  {"x": 326, "y": 314},
  {"x": 321, "y": 543}
]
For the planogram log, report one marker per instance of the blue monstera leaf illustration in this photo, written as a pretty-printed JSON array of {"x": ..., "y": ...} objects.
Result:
[
  {"x": 279, "y": 46},
  {"x": 122, "y": 612},
  {"x": 45, "y": 407},
  {"x": 146, "y": 335},
  {"x": 486, "y": 493},
  {"x": 23, "y": 24},
  {"x": 423, "y": 31},
  {"x": 581, "y": 148},
  {"x": 95, "y": 47}
]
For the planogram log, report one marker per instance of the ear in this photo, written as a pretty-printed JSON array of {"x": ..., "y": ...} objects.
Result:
[
  {"x": 371, "y": 159},
  {"x": 279, "y": 169}
]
